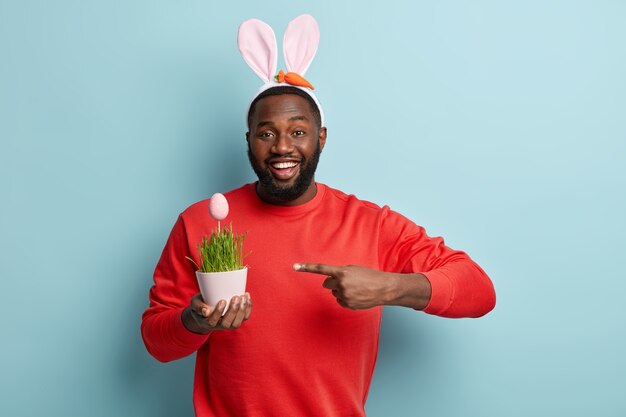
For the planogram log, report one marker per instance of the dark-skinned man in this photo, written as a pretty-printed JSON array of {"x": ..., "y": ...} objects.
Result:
[
  {"x": 310, "y": 345},
  {"x": 323, "y": 265}
]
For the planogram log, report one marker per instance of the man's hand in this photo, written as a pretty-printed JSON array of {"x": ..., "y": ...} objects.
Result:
[
  {"x": 359, "y": 287},
  {"x": 201, "y": 318}
]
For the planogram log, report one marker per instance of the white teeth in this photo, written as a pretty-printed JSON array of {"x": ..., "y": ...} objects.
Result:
[{"x": 282, "y": 165}]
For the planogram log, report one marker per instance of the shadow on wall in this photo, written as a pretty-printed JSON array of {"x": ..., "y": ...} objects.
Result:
[
  {"x": 407, "y": 353},
  {"x": 151, "y": 387}
]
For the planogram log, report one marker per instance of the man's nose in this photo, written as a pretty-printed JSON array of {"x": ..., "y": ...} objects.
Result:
[{"x": 283, "y": 144}]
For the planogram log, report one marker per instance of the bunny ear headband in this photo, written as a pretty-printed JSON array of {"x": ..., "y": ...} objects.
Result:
[{"x": 258, "y": 47}]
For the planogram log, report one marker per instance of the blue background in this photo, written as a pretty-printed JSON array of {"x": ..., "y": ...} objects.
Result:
[{"x": 498, "y": 125}]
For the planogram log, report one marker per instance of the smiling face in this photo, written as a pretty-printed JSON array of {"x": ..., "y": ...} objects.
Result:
[{"x": 284, "y": 145}]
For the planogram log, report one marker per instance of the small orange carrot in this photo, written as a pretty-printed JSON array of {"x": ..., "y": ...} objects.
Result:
[{"x": 293, "y": 79}]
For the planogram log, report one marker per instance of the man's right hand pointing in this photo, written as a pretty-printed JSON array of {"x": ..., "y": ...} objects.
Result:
[{"x": 359, "y": 287}]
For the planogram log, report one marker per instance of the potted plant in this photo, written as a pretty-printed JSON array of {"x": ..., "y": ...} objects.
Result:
[{"x": 221, "y": 273}]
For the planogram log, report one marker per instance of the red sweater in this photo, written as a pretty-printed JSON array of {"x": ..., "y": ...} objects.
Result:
[{"x": 300, "y": 353}]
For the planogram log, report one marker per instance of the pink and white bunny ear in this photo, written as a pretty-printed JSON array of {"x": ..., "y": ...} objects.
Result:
[
  {"x": 258, "y": 47},
  {"x": 300, "y": 43}
]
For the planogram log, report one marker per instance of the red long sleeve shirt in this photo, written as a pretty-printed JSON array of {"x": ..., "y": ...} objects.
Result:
[{"x": 300, "y": 353}]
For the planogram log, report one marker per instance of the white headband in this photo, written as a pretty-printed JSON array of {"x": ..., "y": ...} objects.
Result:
[{"x": 258, "y": 47}]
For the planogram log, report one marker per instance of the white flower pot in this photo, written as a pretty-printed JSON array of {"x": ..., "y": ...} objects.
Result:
[{"x": 216, "y": 286}]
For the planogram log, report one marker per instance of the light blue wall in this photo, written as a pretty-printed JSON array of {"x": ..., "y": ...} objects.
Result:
[{"x": 499, "y": 125}]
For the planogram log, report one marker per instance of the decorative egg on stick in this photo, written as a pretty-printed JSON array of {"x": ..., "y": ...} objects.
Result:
[
  {"x": 218, "y": 208},
  {"x": 220, "y": 250}
]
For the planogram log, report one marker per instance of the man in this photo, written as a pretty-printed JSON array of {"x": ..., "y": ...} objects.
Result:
[{"x": 310, "y": 345}]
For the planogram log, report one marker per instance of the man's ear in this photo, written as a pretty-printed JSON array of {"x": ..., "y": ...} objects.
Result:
[
  {"x": 322, "y": 137},
  {"x": 248, "y": 137}
]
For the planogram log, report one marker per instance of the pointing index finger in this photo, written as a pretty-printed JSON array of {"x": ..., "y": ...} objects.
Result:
[{"x": 322, "y": 269}]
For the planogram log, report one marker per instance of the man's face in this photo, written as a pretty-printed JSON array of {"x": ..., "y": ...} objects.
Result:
[{"x": 284, "y": 145}]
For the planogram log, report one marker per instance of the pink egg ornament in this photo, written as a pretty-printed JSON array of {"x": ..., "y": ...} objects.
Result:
[{"x": 218, "y": 207}]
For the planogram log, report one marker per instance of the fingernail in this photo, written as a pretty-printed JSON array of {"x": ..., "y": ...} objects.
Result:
[
  {"x": 205, "y": 312},
  {"x": 297, "y": 267}
]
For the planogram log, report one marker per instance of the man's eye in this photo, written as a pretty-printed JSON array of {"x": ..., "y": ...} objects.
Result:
[
  {"x": 299, "y": 132},
  {"x": 265, "y": 134}
]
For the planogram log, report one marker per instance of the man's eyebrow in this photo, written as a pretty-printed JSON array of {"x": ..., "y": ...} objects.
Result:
[
  {"x": 291, "y": 119},
  {"x": 263, "y": 124}
]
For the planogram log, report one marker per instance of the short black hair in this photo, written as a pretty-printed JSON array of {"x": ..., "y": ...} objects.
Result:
[{"x": 277, "y": 91}]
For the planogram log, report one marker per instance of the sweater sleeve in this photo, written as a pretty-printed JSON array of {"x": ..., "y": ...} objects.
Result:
[
  {"x": 460, "y": 288},
  {"x": 162, "y": 329}
]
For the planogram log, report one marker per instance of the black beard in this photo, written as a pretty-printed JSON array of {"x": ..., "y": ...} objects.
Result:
[{"x": 285, "y": 194}]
